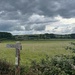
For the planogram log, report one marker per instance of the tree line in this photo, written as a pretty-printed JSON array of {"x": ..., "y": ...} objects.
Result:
[
  {"x": 5, "y": 36},
  {"x": 9, "y": 36},
  {"x": 44, "y": 36}
]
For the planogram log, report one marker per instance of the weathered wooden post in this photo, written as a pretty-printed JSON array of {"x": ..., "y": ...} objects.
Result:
[
  {"x": 18, "y": 47},
  {"x": 17, "y": 62}
]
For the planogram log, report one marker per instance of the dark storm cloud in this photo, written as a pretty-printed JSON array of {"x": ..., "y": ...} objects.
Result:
[
  {"x": 65, "y": 8},
  {"x": 38, "y": 28},
  {"x": 9, "y": 26},
  {"x": 22, "y": 10},
  {"x": 5, "y": 27}
]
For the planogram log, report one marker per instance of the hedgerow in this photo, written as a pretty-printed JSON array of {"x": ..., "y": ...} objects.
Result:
[
  {"x": 58, "y": 65},
  {"x": 6, "y": 68}
]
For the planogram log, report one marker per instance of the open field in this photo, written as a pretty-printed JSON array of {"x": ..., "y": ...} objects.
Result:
[{"x": 35, "y": 50}]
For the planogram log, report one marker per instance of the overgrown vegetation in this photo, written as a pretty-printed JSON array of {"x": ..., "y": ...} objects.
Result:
[
  {"x": 71, "y": 47},
  {"x": 58, "y": 65},
  {"x": 6, "y": 68},
  {"x": 34, "y": 50}
]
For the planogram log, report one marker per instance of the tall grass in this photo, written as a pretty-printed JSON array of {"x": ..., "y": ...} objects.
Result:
[{"x": 34, "y": 50}]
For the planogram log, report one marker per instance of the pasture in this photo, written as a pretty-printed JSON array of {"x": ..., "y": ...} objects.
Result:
[{"x": 35, "y": 50}]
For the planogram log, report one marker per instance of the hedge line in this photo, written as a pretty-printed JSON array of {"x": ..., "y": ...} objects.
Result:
[{"x": 58, "y": 65}]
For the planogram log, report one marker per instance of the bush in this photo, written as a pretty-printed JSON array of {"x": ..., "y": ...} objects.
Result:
[
  {"x": 71, "y": 47},
  {"x": 59, "y": 65},
  {"x": 5, "y": 67},
  {"x": 24, "y": 69}
]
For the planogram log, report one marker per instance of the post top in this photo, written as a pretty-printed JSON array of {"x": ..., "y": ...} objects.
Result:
[
  {"x": 18, "y": 42},
  {"x": 17, "y": 45}
]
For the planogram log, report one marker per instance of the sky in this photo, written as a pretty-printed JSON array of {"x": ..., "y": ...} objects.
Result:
[{"x": 37, "y": 16}]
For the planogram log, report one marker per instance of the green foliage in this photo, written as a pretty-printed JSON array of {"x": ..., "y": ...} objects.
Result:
[
  {"x": 45, "y": 36},
  {"x": 71, "y": 47},
  {"x": 24, "y": 69},
  {"x": 5, "y": 36},
  {"x": 72, "y": 36},
  {"x": 5, "y": 67},
  {"x": 59, "y": 65}
]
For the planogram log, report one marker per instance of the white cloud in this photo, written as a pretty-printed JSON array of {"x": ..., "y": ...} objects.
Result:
[
  {"x": 65, "y": 21},
  {"x": 36, "y": 17},
  {"x": 63, "y": 26}
]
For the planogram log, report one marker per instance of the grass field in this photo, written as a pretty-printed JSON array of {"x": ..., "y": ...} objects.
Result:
[{"x": 35, "y": 50}]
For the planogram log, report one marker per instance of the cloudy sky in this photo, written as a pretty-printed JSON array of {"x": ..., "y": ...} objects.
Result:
[{"x": 37, "y": 16}]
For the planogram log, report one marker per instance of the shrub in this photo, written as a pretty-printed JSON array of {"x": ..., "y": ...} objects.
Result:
[
  {"x": 24, "y": 69},
  {"x": 59, "y": 65},
  {"x": 5, "y": 67},
  {"x": 71, "y": 47}
]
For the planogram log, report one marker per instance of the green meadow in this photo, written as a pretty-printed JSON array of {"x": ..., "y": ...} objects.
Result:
[{"x": 35, "y": 50}]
